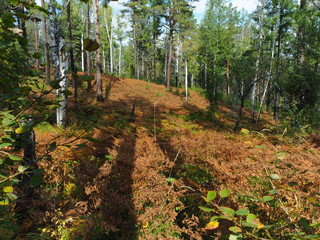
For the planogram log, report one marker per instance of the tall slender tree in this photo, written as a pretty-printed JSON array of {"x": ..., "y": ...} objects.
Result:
[{"x": 96, "y": 14}]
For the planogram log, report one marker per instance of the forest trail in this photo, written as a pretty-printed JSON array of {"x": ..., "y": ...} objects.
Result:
[{"x": 144, "y": 179}]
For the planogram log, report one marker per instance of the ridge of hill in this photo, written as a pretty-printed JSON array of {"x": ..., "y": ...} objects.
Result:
[{"x": 144, "y": 178}]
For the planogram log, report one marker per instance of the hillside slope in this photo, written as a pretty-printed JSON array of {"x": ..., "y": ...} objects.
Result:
[{"x": 144, "y": 178}]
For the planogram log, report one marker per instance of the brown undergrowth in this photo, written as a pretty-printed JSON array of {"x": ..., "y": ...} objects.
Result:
[{"x": 144, "y": 179}]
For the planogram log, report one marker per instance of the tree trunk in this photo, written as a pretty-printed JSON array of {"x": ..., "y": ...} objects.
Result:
[
  {"x": 301, "y": 49},
  {"x": 36, "y": 43},
  {"x": 64, "y": 65},
  {"x": 98, "y": 52},
  {"x": 169, "y": 59},
  {"x": 60, "y": 63},
  {"x": 135, "y": 52},
  {"x": 254, "y": 87},
  {"x": 186, "y": 82},
  {"x": 88, "y": 36},
  {"x": 228, "y": 76},
  {"x": 74, "y": 81},
  {"x": 82, "y": 54},
  {"x": 110, "y": 39},
  {"x": 46, "y": 46},
  {"x": 269, "y": 76},
  {"x": 154, "y": 73},
  {"x": 120, "y": 52}
]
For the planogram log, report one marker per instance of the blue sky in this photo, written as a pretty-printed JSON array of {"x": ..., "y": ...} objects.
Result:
[{"x": 248, "y": 5}]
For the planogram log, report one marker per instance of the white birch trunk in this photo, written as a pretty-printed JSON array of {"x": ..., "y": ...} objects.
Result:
[
  {"x": 254, "y": 87},
  {"x": 186, "y": 82},
  {"x": 269, "y": 76},
  {"x": 64, "y": 65},
  {"x": 60, "y": 64},
  {"x": 82, "y": 54},
  {"x": 120, "y": 52}
]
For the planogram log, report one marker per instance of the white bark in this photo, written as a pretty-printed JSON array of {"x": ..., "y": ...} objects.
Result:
[
  {"x": 64, "y": 65},
  {"x": 254, "y": 87},
  {"x": 82, "y": 54},
  {"x": 60, "y": 64},
  {"x": 269, "y": 76},
  {"x": 120, "y": 53},
  {"x": 186, "y": 82}
]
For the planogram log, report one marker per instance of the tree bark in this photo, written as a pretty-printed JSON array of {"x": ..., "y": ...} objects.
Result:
[
  {"x": 82, "y": 54},
  {"x": 120, "y": 52},
  {"x": 110, "y": 39},
  {"x": 186, "y": 82},
  {"x": 46, "y": 46},
  {"x": 169, "y": 59},
  {"x": 88, "y": 36},
  {"x": 98, "y": 52},
  {"x": 135, "y": 51},
  {"x": 254, "y": 87},
  {"x": 74, "y": 81},
  {"x": 36, "y": 43},
  {"x": 228, "y": 76},
  {"x": 60, "y": 63}
]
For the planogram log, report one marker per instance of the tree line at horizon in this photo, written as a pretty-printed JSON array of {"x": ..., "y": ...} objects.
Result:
[{"x": 266, "y": 60}]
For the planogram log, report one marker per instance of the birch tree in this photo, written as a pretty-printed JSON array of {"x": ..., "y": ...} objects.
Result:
[
  {"x": 257, "y": 65},
  {"x": 60, "y": 64}
]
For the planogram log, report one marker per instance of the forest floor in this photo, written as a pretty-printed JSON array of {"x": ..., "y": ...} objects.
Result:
[{"x": 144, "y": 178}]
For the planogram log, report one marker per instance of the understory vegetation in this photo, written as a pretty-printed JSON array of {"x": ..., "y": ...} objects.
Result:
[{"x": 219, "y": 139}]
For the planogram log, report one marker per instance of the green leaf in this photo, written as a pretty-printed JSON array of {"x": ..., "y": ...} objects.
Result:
[
  {"x": 242, "y": 212},
  {"x": 92, "y": 140},
  {"x": 68, "y": 72},
  {"x": 260, "y": 147},
  {"x": 90, "y": 45},
  {"x": 214, "y": 218},
  {"x": 52, "y": 147},
  {"x": 83, "y": 145},
  {"x": 12, "y": 196},
  {"x": 311, "y": 237},
  {"x": 14, "y": 2},
  {"x": 235, "y": 237},
  {"x": 281, "y": 155},
  {"x": 66, "y": 93},
  {"x": 245, "y": 131},
  {"x": 14, "y": 158},
  {"x": 22, "y": 169},
  {"x": 23, "y": 42},
  {"x": 211, "y": 196},
  {"x": 228, "y": 212},
  {"x": 86, "y": 78},
  {"x": 206, "y": 209},
  {"x": 1, "y": 161},
  {"x": 85, "y": 1},
  {"x": 8, "y": 189},
  {"x": 235, "y": 229},
  {"x": 304, "y": 223},
  {"x": 274, "y": 176},
  {"x": 55, "y": 84},
  {"x": 36, "y": 180},
  {"x": 254, "y": 220},
  {"x": 37, "y": 55},
  {"x": 224, "y": 193},
  {"x": 267, "y": 198},
  {"x": 8, "y": 122},
  {"x": 291, "y": 184},
  {"x": 3, "y": 145}
]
